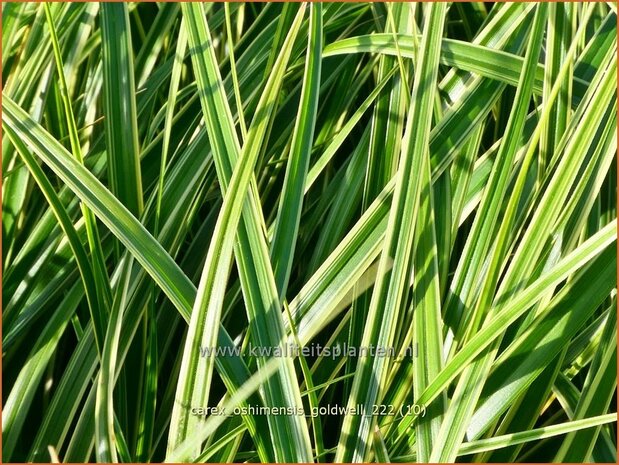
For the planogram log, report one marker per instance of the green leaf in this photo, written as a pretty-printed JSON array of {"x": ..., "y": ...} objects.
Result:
[
  {"x": 105, "y": 442},
  {"x": 536, "y": 434},
  {"x": 289, "y": 212},
  {"x": 119, "y": 106}
]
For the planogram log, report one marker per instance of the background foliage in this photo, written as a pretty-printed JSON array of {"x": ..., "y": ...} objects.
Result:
[{"x": 184, "y": 176}]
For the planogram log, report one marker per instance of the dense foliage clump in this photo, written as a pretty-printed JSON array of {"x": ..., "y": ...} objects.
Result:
[{"x": 289, "y": 232}]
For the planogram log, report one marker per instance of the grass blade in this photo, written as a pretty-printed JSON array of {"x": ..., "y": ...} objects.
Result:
[
  {"x": 289, "y": 212},
  {"x": 120, "y": 110}
]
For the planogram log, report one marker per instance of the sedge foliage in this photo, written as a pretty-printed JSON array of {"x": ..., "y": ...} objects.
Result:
[{"x": 432, "y": 185}]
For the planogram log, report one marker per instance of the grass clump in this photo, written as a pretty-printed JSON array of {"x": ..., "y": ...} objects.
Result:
[{"x": 309, "y": 232}]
